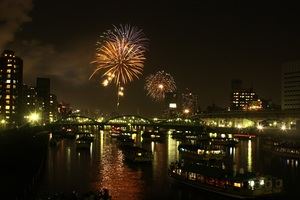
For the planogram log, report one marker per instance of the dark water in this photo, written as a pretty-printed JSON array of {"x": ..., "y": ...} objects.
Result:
[{"x": 103, "y": 166}]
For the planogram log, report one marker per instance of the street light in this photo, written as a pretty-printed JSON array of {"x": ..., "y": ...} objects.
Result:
[
  {"x": 34, "y": 117},
  {"x": 186, "y": 111}
]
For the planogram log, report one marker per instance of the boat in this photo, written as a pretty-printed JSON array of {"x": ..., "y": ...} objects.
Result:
[
  {"x": 201, "y": 152},
  {"x": 215, "y": 180},
  {"x": 283, "y": 148},
  {"x": 137, "y": 154},
  {"x": 153, "y": 136},
  {"x": 124, "y": 140},
  {"x": 114, "y": 132},
  {"x": 83, "y": 142},
  {"x": 86, "y": 135}
]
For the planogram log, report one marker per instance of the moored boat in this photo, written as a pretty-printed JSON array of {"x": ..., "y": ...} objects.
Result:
[
  {"x": 154, "y": 136},
  {"x": 137, "y": 154},
  {"x": 242, "y": 186},
  {"x": 83, "y": 142},
  {"x": 201, "y": 152}
]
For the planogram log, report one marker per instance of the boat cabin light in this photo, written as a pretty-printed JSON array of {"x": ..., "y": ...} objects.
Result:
[
  {"x": 262, "y": 182},
  {"x": 237, "y": 185},
  {"x": 200, "y": 151},
  {"x": 251, "y": 183}
]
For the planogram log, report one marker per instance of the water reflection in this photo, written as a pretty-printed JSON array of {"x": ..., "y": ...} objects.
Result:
[
  {"x": 249, "y": 157},
  {"x": 103, "y": 165}
]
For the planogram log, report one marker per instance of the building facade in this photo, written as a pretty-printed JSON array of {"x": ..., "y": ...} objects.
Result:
[
  {"x": 290, "y": 86},
  {"x": 11, "y": 82},
  {"x": 43, "y": 93},
  {"x": 53, "y": 108},
  {"x": 243, "y": 99},
  {"x": 171, "y": 105},
  {"x": 189, "y": 103}
]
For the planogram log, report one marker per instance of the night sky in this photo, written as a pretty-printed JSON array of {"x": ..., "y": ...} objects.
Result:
[{"x": 203, "y": 44}]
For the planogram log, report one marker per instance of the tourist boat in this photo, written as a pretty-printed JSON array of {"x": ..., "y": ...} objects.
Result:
[
  {"x": 241, "y": 186},
  {"x": 86, "y": 135},
  {"x": 285, "y": 149},
  {"x": 137, "y": 154},
  {"x": 83, "y": 142},
  {"x": 202, "y": 152},
  {"x": 186, "y": 134},
  {"x": 114, "y": 132},
  {"x": 153, "y": 136}
]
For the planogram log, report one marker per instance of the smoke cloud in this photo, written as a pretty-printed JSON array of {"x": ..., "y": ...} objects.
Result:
[{"x": 13, "y": 13}]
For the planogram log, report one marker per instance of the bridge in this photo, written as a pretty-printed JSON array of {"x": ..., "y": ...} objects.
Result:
[
  {"x": 241, "y": 119},
  {"x": 126, "y": 121},
  {"x": 244, "y": 119}
]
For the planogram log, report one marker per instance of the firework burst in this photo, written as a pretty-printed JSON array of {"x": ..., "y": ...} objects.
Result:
[
  {"x": 120, "y": 54},
  {"x": 157, "y": 85}
]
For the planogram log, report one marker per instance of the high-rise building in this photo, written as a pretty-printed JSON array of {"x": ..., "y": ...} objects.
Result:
[
  {"x": 30, "y": 100},
  {"x": 43, "y": 93},
  {"x": 290, "y": 86},
  {"x": 172, "y": 105},
  {"x": 242, "y": 99},
  {"x": 53, "y": 109},
  {"x": 11, "y": 81},
  {"x": 189, "y": 103}
]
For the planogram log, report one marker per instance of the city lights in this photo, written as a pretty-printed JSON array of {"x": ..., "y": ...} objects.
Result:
[
  {"x": 186, "y": 111},
  {"x": 34, "y": 117}
]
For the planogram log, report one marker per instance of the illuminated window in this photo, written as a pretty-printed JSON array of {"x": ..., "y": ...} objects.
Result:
[
  {"x": 8, "y": 76},
  {"x": 7, "y": 86},
  {"x": 7, "y": 107},
  {"x": 7, "y": 111},
  {"x": 7, "y": 97},
  {"x": 7, "y": 102},
  {"x": 8, "y": 81},
  {"x": 14, "y": 86},
  {"x": 9, "y": 65},
  {"x": 8, "y": 71}
]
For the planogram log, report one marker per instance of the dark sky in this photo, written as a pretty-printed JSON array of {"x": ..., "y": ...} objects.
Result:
[{"x": 203, "y": 44}]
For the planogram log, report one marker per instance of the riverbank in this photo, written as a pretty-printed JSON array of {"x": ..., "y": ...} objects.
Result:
[{"x": 22, "y": 154}]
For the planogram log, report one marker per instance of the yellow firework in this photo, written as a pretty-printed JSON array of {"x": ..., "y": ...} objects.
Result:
[
  {"x": 157, "y": 85},
  {"x": 120, "y": 54}
]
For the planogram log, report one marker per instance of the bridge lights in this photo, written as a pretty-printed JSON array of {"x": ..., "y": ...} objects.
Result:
[
  {"x": 260, "y": 127},
  {"x": 283, "y": 127},
  {"x": 186, "y": 111}
]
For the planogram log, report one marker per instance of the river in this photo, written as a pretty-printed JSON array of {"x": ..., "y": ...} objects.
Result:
[{"x": 103, "y": 166}]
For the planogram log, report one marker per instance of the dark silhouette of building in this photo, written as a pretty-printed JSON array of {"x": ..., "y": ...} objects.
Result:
[
  {"x": 189, "y": 103},
  {"x": 242, "y": 99},
  {"x": 11, "y": 77},
  {"x": 53, "y": 110},
  {"x": 31, "y": 101},
  {"x": 43, "y": 93},
  {"x": 171, "y": 104},
  {"x": 290, "y": 86}
]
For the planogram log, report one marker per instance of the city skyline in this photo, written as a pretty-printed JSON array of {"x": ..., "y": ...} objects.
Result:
[{"x": 203, "y": 45}]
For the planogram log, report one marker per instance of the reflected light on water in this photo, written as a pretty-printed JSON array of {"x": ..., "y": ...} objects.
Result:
[
  {"x": 152, "y": 146},
  {"x": 249, "y": 160}
]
